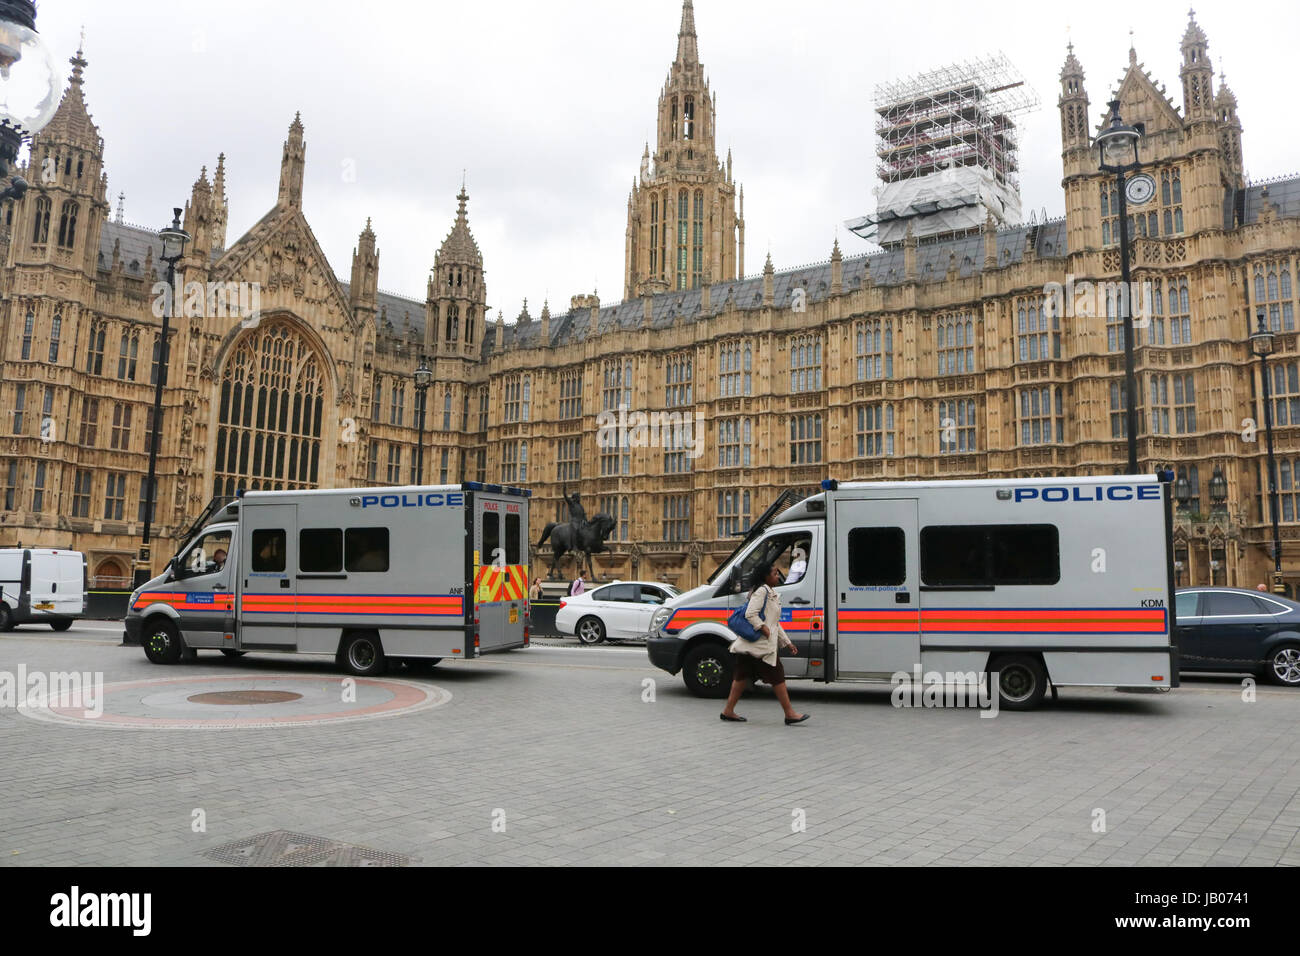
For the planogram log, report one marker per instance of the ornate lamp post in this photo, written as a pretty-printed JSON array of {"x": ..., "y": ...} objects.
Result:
[
  {"x": 29, "y": 92},
  {"x": 423, "y": 379},
  {"x": 1262, "y": 343},
  {"x": 1218, "y": 489},
  {"x": 1117, "y": 152},
  {"x": 174, "y": 239}
]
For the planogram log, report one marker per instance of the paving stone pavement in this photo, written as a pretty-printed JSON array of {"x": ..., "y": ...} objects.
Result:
[{"x": 561, "y": 747}]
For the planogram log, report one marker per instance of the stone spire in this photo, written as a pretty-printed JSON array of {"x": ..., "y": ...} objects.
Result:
[
  {"x": 687, "y": 49},
  {"x": 769, "y": 275},
  {"x": 292, "y": 165},
  {"x": 220, "y": 205},
  {"x": 837, "y": 269},
  {"x": 364, "y": 287},
  {"x": 1073, "y": 104}
]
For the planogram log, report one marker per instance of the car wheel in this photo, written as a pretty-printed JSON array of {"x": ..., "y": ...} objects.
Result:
[
  {"x": 231, "y": 652},
  {"x": 1284, "y": 665},
  {"x": 1022, "y": 681},
  {"x": 591, "y": 630},
  {"x": 161, "y": 641},
  {"x": 707, "y": 671},
  {"x": 62, "y": 625},
  {"x": 6, "y": 618},
  {"x": 363, "y": 655}
]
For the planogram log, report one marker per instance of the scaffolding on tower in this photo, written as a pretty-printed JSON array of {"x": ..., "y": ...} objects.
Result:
[{"x": 947, "y": 151}]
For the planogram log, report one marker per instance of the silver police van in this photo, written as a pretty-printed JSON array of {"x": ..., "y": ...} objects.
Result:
[
  {"x": 370, "y": 575},
  {"x": 1047, "y": 582}
]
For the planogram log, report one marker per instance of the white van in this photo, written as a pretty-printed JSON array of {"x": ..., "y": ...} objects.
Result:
[
  {"x": 1049, "y": 582},
  {"x": 41, "y": 586},
  {"x": 371, "y": 576}
]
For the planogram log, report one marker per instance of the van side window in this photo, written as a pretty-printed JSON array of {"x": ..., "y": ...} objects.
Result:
[
  {"x": 512, "y": 539},
  {"x": 268, "y": 550},
  {"x": 207, "y": 556},
  {"x": 491, "y": 536},
  {"x": 366, "y": 549},
  {"x": 986, "y": 555},
  {"x": 876, "y": 556},
  {"x": 320, "y": 550}
]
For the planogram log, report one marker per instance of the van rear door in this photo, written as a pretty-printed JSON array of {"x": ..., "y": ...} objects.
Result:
[
  {"x": 269, "y": 575},
  {"x": 500, "y": 570},
  {"x": 875, "y": 587}
]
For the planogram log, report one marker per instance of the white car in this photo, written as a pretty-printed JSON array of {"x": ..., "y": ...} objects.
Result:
[{"x": 617, "y": 611}]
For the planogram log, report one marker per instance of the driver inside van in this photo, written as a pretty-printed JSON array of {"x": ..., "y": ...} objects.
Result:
[{"x": 219, "y": 559}]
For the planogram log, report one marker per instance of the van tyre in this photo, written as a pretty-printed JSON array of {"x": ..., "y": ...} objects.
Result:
[
  {"x": 1022, "y": 681},
  {"x": 707, "y": 671},
  {"x": 363, "y": 655},
  {"x": 591, "y": 630},
  {"x": 6, "y": 618},
  {"x": 60, "y": 625},
  {"x": 1284, "y": 665},
  {"x": 161, "y": 641}
]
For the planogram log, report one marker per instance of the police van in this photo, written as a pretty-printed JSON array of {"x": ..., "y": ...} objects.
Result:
[
  {"x": 1048, "y": 582},
  {"x": 41, "y": 586},
  {"x": 373, "y": 576}
]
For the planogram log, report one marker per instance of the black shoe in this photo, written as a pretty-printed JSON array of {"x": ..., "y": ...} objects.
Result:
[
  {"x": 797, "y": 720},
  {"x": 738, "y": 720}
]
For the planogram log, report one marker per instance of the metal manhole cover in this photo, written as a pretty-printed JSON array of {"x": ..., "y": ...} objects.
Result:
[
  {"x": 244, "y": 697},
  {"x": 285, "y": 848}
]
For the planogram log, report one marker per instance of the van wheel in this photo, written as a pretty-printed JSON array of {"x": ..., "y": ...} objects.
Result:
[
  {"x": 231, "y": 652},
  {"x": 363, "y": 655},
  {"x": 6, "y": 618},
  {"x": 61, "y": 625},
  {"x": 591, "y": 630},
  {"x": 1022, "y": 681},
  {"x": 1284, "y": 665},
  {"x": 162, "y": 643},
  {"x": 707, "y": 671}
]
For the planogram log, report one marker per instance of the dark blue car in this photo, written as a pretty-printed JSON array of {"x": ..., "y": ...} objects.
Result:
[{"x": 1232, "y": 630}]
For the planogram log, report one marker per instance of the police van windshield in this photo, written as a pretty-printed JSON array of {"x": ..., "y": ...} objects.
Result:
[
  {"x": 207, "y": 555},
  {"x": 789, "y": 552}
]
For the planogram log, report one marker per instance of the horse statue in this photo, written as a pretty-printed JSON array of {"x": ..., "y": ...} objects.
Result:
[{"x": 584, "y": 537}]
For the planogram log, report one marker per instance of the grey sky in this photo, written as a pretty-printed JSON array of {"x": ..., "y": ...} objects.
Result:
[{"x": 548, "y": 106}]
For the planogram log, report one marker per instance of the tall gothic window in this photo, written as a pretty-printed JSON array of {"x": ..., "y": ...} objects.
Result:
[
  {"x": 654, "y": 235},
  {"x": 41, "y": 223},
  {"x": 272, "y": 402},
  {"x": 683, "y": 223},
  {"x": 688, "y": 117},
  {"x": 68, "y": 224},
  {"x": 663, "y": 236},
  {"x": 697, "y": 244}
]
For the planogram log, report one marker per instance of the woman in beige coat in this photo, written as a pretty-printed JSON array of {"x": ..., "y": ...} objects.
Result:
[{"x": 760, "y": 658}]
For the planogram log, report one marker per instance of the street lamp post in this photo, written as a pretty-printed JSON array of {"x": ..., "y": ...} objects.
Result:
[
  {"x": 423, "y": 379},
  {"x": 1261, "y": 343},
  {"x": 174, "y": 239},
  {"x": 1117, "y": 152}
]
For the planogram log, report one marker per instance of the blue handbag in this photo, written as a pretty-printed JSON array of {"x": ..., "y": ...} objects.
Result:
[{"x": 741, "y": 626}]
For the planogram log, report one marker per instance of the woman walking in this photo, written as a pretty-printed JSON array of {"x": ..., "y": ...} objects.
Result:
[{"x": 759, "y": 658}]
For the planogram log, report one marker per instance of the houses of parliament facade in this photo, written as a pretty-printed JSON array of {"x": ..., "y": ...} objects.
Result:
[{"x": 932, "y": 359}]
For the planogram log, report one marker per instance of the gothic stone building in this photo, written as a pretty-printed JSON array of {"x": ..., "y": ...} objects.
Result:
[{"x": 929, "y": 360}]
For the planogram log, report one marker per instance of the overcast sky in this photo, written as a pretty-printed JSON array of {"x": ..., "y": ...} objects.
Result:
[{"x": 547, "y": 107}]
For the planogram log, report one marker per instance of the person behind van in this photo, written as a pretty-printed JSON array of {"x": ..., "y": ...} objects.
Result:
[
  {"x": 759, "y": 658},
  {"x": 535, "y": 590},
  {"x": 578, "y": 586}
]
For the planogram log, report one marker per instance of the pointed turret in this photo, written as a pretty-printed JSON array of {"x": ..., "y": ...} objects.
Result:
[
  {"x": 837, "y": 269},
  {"x": 220, "y": 205},
  {"x": 769, "y": 277},
  {"x": 1225, "y": 114},
  {"x": 1197, "y": 73},
  {"x": 364, "y": 288},
  {"x": 293, "y": 165},
  {"x": 459, "y": 296},
  {"x": 1073, "y": 105}
]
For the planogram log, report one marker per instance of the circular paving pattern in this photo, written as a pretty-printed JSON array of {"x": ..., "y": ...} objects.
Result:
[{"x": 238, "y": 702}]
